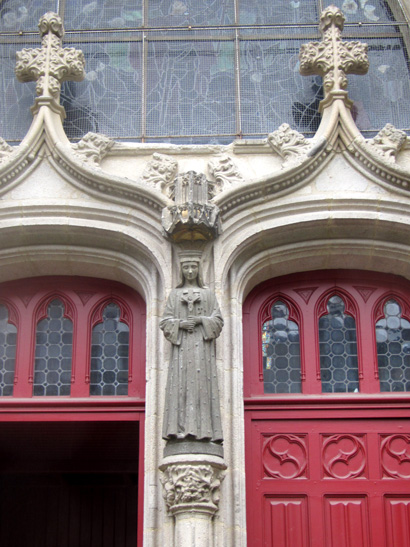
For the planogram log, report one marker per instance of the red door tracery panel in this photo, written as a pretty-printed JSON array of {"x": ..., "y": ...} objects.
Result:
[{"x": 329, "y": 465}]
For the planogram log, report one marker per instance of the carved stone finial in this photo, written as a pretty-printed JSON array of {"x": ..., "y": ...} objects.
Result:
[
  {"x": 190, "y": 486},
  {"x": 161, "y": 172},
  {"x": 388, "y": 142},
  {"x": 93, "y": 147},
  {"x": 225, "y": 172},
  {"x": 331, "y": 58},
  {"x": 291, "y": 145},
  {"x": 51, "y": 64},
  {"x": 192, "y": 217}
]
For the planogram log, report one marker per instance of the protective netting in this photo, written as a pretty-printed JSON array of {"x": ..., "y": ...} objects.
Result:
[{"x": 203, "y": 71}]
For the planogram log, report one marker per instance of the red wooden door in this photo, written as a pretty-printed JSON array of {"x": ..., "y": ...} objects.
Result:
[{"x": 328, "y": 465}]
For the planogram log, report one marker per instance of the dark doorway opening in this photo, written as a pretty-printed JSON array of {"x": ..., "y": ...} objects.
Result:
[{"x": 70, "y": 484}]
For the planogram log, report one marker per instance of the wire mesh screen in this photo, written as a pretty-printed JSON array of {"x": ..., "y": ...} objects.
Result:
[{"x": 203, "y": 71}]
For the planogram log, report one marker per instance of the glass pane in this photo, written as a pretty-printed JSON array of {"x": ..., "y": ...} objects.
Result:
[
  {"x": 8, "y": 341},
  {"x": 108, "y": 101},
  {"x": 281, "y": 352},
  {"x": 265, "y": 12},
  {"x": 273, "y": 91},
  {"x": 338, "y": 349},
  {"x": 383, "y": 95},
  {"x": 365, "y": 11},
  {"x": 54, "y": 345},
  {"x": 16, "y": 15},
  {"x": 191, "y": 88},
  {"x": 88, "y": 14},
  {"x": 109, "y": 355},
  {"x": 393, "y": 349},
  {"x": 176, "y": 13}
]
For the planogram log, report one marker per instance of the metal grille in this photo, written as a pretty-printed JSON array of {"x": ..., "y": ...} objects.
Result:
[
  {"x": 203, "y": 71},
  {"x": 54, "y": 346},
  {"x": 393, "y": 349},
  {"x": 109, "y": 355},
  {"x": 338, "y": 349},
  {"x": 281, "y": 352}
]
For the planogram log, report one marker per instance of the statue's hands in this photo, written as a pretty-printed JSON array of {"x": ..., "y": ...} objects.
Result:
[{"x": 190, "y": 323}]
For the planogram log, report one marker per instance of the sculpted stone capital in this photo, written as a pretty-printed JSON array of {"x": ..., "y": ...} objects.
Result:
[
  {"x": 51, "y": 64},
  {"x": 388, "y": 142},
  {"x": 93, "y": 147},
  {"x": 333, "y": 59},
  {"x": 192, "y": 487}
]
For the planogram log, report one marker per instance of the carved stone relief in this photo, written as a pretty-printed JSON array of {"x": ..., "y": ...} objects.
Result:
[
  {"x": 93, "y": 147},
  {"x": 51, "y": 64},
  {"x": 225, "y": 172},
  {"x": 291, "y": 145},
  {"x": 388, "y": 142},
  {"x": 160, "y": 172},
  {"x": 5, "y": 149}
]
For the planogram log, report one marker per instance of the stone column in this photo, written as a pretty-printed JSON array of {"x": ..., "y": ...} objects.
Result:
[{"x": 191, "y": 486}]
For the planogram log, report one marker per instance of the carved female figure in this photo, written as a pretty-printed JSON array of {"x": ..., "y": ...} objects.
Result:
[{"x": 191, "y": 322}]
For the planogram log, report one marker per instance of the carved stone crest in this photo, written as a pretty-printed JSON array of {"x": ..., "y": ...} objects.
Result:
[
  {"x": 93, "y": 147},
  {"x": 225, "y": 172},
  {"x": 388, "y": 142},
  {"x": 51, "y": 64},
  {"x": 161, "y": 172},
  {"x": 291, "y": 145},
  {"x": 332, "y": 58}
]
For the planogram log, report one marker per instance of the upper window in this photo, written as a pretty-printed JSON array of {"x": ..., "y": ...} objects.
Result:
[
  {"x": 73, "y": 337},
  {"x": 329, "y": 332},
  {"x": 203, "y": 70}
]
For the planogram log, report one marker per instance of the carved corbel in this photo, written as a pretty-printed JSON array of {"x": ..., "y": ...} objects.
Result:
[
  {"x": 291, "y": 145},
  {"x": 225, "y": 172},
  {"x": 388, "y": 142},
  {"x": 93, "y": 147},
  {"x": 160, "y": 172}
]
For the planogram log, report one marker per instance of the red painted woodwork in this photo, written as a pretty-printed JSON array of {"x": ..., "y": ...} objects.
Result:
[
  {"x": 71, "y": 467},
  {"x": 326, "y": 470}
]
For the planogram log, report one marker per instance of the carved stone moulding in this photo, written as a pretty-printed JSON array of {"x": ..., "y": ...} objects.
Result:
[
  {"x": 192, "y": 483},
  {"x": 192, "y": 217}
]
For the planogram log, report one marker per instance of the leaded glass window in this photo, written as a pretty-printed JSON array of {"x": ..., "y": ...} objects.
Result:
[
  {"x": 393, "y": 349},
  {"x": 338, "y": 349},
  {"x": 109, "y": 354},
  {"x": 8, "y": 341},
  {"x": 53, "y": 353},
  {"x": 195, "y": 71},
  {"x": 281, "y": 352}
]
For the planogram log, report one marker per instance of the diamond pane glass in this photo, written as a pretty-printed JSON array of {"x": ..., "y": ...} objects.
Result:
[
  {"x": 16, "y": 15},
  {"x": 393, "y": 349},
  {"x": 108, "y": 101},
  {"x": 53, "y": 356},
  {"x": 8, "y": 341},
  {"x": 109, "y": 354},
  {"x": 176, "y": 13},
  {"x": 338, "y": 349},
  {"x": 281, "y": 352},
  {"x": 191, "y": 88},
  {"x": 86, "y": 14}
]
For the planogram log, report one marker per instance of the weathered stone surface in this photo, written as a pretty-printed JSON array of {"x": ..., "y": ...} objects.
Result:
[
  {"x": 93, "y": 147},
  {"x": 160, "y": 172},
  {"x": 225, "y": 172},
  {"x": 388, "y": 142}
]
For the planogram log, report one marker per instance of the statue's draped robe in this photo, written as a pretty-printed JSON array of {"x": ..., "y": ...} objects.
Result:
[{"x": 192, "y": 409}]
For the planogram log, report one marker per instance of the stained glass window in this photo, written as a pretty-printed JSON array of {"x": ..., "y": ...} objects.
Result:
[
  {"x": 109, "y": 354},
  {"x": 281, "y": 352},
  {"x": 338, "y": 349},
  {"x": 196, "y": 71},
  {"x": 393, "y": 349},
  {"x": 8, "y": 340},
  {"x": 53, "y": 354}
]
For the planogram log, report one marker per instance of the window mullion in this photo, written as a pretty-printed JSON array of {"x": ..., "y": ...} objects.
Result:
[{"x": 310, "y": 351}]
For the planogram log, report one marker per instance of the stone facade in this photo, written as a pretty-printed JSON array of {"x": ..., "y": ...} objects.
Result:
[{"x": 283, "y": 204}]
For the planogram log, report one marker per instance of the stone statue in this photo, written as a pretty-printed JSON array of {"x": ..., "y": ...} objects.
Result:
[{"x": 191, "y": 323}]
